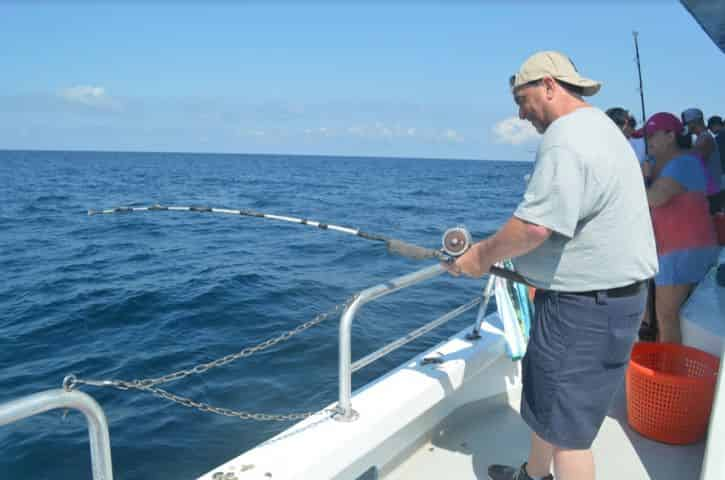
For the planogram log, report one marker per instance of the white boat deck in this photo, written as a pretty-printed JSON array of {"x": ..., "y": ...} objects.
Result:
[
  {"x": 493, "y": 432},
  {"x": 451, "y": 419}
]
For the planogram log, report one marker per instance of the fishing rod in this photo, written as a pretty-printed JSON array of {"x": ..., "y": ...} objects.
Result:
[
  {"x": 641, "y": 91},
  {"x": 650, "y": 330},
  {"x": 456, "y": 241}
]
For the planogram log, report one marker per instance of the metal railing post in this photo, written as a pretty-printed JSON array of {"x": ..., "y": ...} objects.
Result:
[
  {"x": 344, "y": 406},
  {"x": 41, "y": 402}
]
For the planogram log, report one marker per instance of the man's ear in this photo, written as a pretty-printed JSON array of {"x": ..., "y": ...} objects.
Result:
[{"x": 550, "y": 86}]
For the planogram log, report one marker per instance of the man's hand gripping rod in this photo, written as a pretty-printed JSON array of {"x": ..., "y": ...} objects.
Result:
[{"x": 456, "y": 242}]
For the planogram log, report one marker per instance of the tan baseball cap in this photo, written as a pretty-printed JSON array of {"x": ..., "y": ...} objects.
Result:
[{"x": 555, "y": 65}]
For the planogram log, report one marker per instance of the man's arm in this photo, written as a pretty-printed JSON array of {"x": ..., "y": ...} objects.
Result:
[{"x": 515, "y": 238}]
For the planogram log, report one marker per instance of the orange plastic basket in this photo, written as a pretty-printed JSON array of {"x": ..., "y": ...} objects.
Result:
[{"x": 670, "y": 389}]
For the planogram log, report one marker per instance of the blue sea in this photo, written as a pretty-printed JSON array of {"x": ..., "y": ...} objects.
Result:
[{"x": 131, "y": 296}]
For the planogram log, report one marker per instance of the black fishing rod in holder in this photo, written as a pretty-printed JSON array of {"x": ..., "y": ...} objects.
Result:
[{"x": 641, "y": 91}]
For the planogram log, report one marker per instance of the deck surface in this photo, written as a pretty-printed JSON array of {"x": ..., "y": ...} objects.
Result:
[{"x": 494, "y": 433}]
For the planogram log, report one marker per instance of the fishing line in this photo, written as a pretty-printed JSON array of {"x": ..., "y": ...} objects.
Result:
[{"x": 456, "y": 241}]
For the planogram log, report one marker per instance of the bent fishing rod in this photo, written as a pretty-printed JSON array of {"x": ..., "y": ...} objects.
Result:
[{"x": 456, "y": 241}]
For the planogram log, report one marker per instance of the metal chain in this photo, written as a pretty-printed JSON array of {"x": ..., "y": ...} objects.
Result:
[
  {"x": 205, "y": 407},
  {"x": 149, "y": 384}
]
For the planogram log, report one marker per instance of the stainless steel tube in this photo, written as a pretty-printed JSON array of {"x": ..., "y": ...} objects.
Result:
[
  {"x": 52, "y": 399},
  {"x": 418, "y": 332},
  {"x": 344, "y": 407}
]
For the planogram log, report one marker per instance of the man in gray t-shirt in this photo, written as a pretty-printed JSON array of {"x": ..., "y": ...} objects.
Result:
[
  {"x": 583, "y": 236},
  {"x": 587, "y": 189}
]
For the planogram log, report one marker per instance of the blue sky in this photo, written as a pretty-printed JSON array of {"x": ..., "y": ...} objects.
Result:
[{"x": 409, "y": 79}]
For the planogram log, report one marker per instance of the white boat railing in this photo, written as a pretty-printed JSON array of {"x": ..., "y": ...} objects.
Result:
[
  {"x": 42, "y": 402},
  {"x": 344, "y": 408}
]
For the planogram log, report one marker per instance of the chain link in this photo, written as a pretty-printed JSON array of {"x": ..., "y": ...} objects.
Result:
[
  {"x": 205, "y": 407},
  {"x": 150, "y": 384}
]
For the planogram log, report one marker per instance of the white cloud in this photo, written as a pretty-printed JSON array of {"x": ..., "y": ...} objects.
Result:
[
  {"x": 451, "y": 135},
  {"x": 320, "y": 131},
  {"x": 380, "y": 130},
  {"x": 375, "y": 131},
  {"x": 90, "y": 96},
  {"x": 391, "y": 132},
  {"x": 514, "y": 131}
]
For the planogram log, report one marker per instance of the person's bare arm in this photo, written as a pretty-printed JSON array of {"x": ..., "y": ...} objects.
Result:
[
  {"x": 662, "y": 190},
  {"x": 515, "y": 238}
]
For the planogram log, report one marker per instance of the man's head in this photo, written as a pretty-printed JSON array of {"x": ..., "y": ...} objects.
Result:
[
  {"x": 548, "y": 86},
  {"x": 622, "y": 119},
  {"x": 714, "y": 123},
  {"x": 693, "y": 120}
]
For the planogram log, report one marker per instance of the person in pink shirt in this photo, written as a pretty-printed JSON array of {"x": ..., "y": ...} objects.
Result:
[{"x": 684, "y": 231}]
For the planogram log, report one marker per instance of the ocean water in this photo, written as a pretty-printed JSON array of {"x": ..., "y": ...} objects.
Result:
[{"x": 140, "y": 295}]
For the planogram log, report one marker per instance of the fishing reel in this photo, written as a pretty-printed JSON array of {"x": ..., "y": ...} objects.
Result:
[{"x": 456, "y": 241}]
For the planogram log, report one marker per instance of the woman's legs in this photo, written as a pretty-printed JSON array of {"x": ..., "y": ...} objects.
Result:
[{"x": 668, "y": 301}]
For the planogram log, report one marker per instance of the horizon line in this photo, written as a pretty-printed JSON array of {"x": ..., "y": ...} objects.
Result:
[{"x": 258, "y": 154}]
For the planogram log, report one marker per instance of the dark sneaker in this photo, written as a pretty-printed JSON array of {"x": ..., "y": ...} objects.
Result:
[{"x": 504, "y": 472}]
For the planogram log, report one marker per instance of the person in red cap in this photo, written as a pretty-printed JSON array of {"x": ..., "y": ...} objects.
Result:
[{"x": 684, "y": 232}]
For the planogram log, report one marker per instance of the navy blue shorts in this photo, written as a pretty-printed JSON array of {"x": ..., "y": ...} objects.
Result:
[{"x": 575, "y": 362}]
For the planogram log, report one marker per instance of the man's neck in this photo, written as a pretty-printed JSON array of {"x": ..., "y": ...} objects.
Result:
[{"x": 567, "y": 106}]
